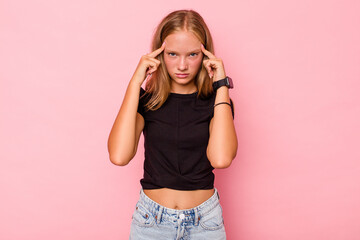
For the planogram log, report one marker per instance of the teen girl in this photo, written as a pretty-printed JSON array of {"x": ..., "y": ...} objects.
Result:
[{"x": 186, "y": 116}]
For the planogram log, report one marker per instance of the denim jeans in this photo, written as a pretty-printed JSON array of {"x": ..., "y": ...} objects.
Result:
[{"x": 151, "y": 220}]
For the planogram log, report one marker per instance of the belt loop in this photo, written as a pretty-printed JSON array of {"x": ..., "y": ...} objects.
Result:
[
  {"x": 158, "y": 216},
  {"x": 196, "y": 217},
  {"x": 218, "y": 194}
]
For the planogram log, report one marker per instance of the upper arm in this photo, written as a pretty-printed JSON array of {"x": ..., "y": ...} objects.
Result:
[{"x": 139, "y": 126}]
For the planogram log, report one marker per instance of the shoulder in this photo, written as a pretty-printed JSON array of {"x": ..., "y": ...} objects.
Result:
[
  {"x": 142, "y": 91},
  {"x": 144, "y": 95},
  {"x": 143, "y": 100}
]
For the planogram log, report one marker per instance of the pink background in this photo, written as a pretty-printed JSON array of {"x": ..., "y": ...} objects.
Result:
[{"x": 296, "y": 69}]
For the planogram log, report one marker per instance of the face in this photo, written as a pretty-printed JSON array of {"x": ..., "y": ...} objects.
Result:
[{"x": 182, "y": 55}]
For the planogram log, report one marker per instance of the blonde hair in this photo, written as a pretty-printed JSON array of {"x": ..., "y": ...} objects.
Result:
[{"x": 159, "y": 85}]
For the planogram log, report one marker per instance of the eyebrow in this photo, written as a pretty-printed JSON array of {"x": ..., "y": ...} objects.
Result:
[{"x": 195, "y": 50}]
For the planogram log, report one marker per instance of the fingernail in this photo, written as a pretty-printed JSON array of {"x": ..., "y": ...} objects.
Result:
[
  {"x": 163, "y": 43},
  {"x": 202, "y": 45}
]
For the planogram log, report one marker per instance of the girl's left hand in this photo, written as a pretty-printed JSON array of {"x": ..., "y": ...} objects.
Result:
[{"x": 213, "y": 65}]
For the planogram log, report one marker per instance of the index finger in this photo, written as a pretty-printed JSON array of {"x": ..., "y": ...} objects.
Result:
[
  {"x": 157, "y": 51},
  {"x": 206, "y": 52}
]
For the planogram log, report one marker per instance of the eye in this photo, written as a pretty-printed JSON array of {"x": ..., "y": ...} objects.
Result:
[
  {"x": 194, "y": 55},
  {"x": 171, "y": 53}
]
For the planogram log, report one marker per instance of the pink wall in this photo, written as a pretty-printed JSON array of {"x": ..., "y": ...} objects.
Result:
[{"x": 64, "y": 69}]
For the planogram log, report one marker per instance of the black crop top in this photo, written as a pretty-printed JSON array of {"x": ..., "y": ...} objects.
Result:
[{"x": 175, "y": 140}]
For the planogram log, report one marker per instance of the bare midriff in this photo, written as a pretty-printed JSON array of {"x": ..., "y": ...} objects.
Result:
[{"x": 179, "y": 199}]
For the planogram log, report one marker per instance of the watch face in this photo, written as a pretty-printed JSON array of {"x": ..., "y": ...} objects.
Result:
[{"x": 230, "y": 82}]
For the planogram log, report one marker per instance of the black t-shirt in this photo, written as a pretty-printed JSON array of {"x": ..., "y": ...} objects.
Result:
[{"x": 175, "y": 140}]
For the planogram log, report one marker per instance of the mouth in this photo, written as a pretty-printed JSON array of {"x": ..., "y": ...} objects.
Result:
[{"x": 181, "y": 75}]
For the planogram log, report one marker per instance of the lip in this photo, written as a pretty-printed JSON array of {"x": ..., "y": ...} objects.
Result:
[{"x": 181, "y": 75}]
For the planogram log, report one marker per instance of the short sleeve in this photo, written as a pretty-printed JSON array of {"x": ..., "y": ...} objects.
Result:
[{"x": 141, "y": 102}]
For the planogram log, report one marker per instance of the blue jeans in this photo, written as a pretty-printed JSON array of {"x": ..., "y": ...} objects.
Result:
[{"x": 151, "y": 220}]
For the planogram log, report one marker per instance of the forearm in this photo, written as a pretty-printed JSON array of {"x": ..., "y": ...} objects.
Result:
[
  {"x": 222, "y": 146},
  {"x": 122, "y": 138}
]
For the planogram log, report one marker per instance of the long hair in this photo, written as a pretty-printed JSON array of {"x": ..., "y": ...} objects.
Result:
[{"x": 159, "y": 85}]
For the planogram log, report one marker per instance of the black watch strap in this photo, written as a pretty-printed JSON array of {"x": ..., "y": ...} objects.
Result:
[{"x": 227, "y": 81}]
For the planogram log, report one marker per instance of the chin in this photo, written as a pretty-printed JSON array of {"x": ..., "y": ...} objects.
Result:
[{"x": 182, "y": 81}]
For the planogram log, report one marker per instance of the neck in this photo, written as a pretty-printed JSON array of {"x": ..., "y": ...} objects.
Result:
[{"x": 183, "y": 89}]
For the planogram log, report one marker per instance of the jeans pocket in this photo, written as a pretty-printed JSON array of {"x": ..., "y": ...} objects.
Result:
[
  {"x": 213, "y": 220},
  {"x": 142, "y": 217}
]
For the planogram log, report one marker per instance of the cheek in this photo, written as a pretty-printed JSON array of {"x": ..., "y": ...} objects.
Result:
[{"x": 169, "y": 63}]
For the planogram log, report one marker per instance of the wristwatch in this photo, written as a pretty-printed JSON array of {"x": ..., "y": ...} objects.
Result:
[{"x": 227, "y": 81}]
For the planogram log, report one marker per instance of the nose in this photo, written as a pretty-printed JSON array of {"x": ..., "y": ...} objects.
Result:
[{"x": 182, "y": 64}]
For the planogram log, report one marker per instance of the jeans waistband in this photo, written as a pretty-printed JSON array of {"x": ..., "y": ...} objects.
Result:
[{"x": 175, "y": 215}]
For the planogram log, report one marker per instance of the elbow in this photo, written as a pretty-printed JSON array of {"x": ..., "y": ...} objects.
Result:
[
  {"x": 221, "y": 160},
  {"x": 119, "y": 161},
  {"x": 120, "y": 156},
  {"x": 221, "y": 155},
  {"x": 220, "y": 164}
]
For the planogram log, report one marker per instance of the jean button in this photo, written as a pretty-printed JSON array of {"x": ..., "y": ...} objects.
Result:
[{"x": 182, "y": 216}]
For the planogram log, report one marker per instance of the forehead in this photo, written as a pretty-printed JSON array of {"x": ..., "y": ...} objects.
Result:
[{"x": 182, "y": 41}]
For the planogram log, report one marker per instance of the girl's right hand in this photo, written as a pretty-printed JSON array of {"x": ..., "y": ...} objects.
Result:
[{"x": 148, "y": 64}]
